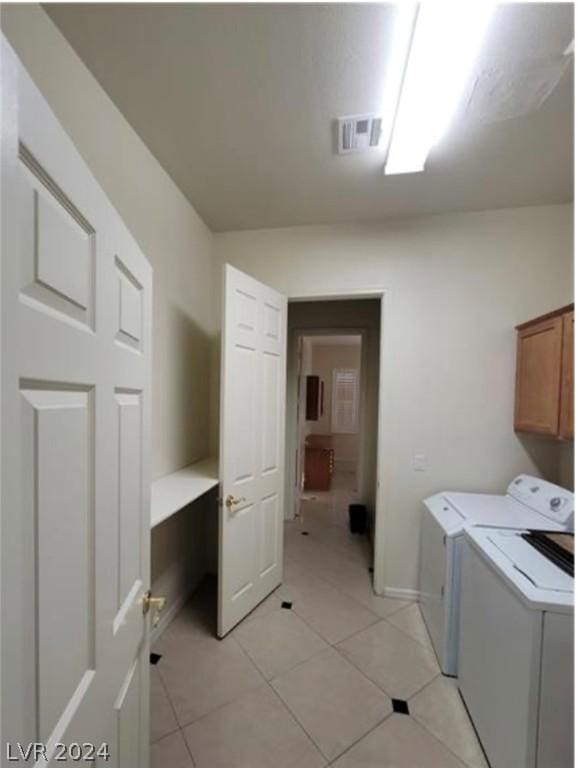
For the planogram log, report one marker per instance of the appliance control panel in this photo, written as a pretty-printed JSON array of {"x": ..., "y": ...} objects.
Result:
[{"x": 555, "y": 503}]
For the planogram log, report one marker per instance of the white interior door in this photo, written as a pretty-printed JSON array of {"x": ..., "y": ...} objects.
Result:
[
  {"x": 76, "y": 352},
  {"x": 253, "y": 399}
]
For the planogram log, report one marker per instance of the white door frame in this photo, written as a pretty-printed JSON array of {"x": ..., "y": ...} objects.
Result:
[
  {"x": 385, "y": 296},
  {"x": 338, "y": 331}
]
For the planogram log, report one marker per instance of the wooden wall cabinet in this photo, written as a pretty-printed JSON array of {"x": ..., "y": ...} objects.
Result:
[
  {"x": 567, "y": 385},
  {"x": 544, "y": 401}
]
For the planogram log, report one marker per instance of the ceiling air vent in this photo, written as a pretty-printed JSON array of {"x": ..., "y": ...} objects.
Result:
[{"x": 357, "y": 133}]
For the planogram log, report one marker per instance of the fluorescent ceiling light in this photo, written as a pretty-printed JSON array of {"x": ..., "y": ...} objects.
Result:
[
  {"x": 399, "y": 47},
  {"x": 442, "y": 42}
]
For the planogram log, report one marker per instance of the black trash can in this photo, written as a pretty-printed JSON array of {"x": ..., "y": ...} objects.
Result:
[{"x": 357, "y": 514}]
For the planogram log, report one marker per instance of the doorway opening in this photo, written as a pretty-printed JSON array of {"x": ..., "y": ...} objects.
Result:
[
  {"x": 332, "y": 423},
  {"x": 328, "y": 414}
]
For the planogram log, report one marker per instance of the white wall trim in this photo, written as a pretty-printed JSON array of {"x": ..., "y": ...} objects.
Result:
[
  {"x": 380, "y": 537},
  {"x": 170, "y": 613},
  {"x": 401, "y": 594},
  {"x": 375, "y": 292}
]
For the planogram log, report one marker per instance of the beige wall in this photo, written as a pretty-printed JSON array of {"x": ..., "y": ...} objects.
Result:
[
  {"x": 457, "y": 284},
  {"x": 178, "y": 245}
]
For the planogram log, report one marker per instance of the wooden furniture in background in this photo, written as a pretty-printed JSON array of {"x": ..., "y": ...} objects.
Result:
[
  {"x": 318, "y": 468},
  {"x": 544, "y": 402}
]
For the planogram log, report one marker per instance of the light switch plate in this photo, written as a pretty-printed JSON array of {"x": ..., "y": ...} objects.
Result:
[{"x": 419, "y": 462}]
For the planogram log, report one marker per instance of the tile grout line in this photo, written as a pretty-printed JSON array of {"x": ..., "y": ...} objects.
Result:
[
  {"x": 360, "y": 671},
  {"x": 292, "y": 715},
  {"x": 221, "y": 706},
  {"x": 306, "y": 661},
  {"x": 324, "y": 639},
  {"x": 357, "y": 741},
  {"x": 332, "y": 644},
  {"x": 336, "y": 586},
  {"x": 298, "y": 663},
  {"x": 189, "y": 752},
  {"x": 441, "y": 742},
  {"x": 422, "y": 688},
  {"x": 408, "y": 636},
  {"x": 356, "y": 600},
  {"x": 408, "y": 604},
  {"x": 335, "y": 558},
  {"x": 179, "y": 729},
  {"x": 296, "y": 666},
  {"x": 299, "y": 724},
  {"x": 172, "y": 732},
  {"x": 168, "y": 697},
  {"x": 179, "y": 726},
  {"x": 406, "y": 632},
  {"x": 343, "y": 653},
  {"x": 434, "y": 735}
]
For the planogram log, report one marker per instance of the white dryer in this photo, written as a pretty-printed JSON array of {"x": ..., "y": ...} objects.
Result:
[
  {"x": 528, "y": 503},
  {"x": 516, "y": 660}
]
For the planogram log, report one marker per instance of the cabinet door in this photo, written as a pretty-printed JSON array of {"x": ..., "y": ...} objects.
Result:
[
  {"x": 567, "y": 397},
  {"x": 537, "y": 407}
]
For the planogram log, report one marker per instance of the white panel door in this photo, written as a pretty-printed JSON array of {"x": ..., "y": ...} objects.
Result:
[
  {"x": 253, "y": 397},
  {"x": 76, "y": 351}
]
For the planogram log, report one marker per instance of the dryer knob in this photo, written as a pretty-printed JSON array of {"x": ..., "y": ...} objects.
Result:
[{"x": 555, "y": 502}]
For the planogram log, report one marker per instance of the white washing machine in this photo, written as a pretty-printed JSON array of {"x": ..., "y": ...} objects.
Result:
[
  {"x": 516, "y": 662},
  {"x": 529, "y": 503}
]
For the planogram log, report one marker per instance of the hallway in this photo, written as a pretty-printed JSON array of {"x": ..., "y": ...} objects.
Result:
[{"x": 311, "y": 677}]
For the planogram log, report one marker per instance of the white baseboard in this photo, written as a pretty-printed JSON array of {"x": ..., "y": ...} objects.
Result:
[
  {"x": 169, "y": 613},
  {"x": 402, "y": 594}
]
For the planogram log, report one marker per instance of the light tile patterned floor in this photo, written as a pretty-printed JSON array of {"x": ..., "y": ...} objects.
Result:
[{"x": 311, "y": 686}]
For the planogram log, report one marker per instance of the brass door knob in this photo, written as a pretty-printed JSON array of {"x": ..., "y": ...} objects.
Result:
[
  {"x": 157, "y": 603},
  {"x": 233, "y": 502}
]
